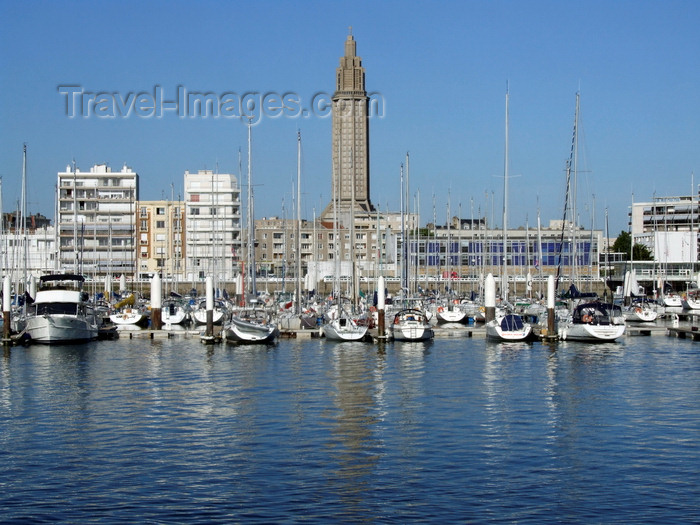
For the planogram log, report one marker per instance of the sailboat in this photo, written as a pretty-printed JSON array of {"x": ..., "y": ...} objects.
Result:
[
  {"x": 451, "y": 313},
  {"x": 636, "y": 307},
  {"x": 341, "y": 326},
  {"x": 411, "y": 324},
  {"x": 250, "y": 324},
  {"x": 591, "y": 320},
  {"x": 507, "y": 326},
  {"x": 175, "y": 310},
  {"x": 594, "y": 322},
  {"x": 129, "y": 312},
  {"x": 344, "y": 328}
]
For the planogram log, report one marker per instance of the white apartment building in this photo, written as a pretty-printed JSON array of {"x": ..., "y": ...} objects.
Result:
[
  {"x": 96, "y": 220},
  {"x": 37, "y": 259},
  {"x": 213, "y": 226}
]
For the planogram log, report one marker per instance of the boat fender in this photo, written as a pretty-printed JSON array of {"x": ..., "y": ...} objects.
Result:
[{"x": 440, "y": 309}]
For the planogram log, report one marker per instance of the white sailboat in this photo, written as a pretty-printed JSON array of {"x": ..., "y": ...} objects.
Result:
[
  {"x": 344, "y": 328},
  {"x": 640, "y": 312},
  {"x": 128, "y": 312},
  {"x": 507, "y": 326},
  {"x": 411, "y": 324},
  {"x": 593, "y": 322},
  {"x": 175, "y": 310},
  {"x": 250, "y": 325},
  {"x": 341, "y": 326},
  {"x": 219, "y": 314},
  {"x": 636, "y": 309},
  {"x": 450, "y": 313}
]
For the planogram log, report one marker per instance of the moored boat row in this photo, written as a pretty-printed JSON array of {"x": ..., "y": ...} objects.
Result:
[{"x": 62, "y": 312}]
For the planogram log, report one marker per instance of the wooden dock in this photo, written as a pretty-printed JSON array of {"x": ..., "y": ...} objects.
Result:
[{"x": 685, "y": 333}]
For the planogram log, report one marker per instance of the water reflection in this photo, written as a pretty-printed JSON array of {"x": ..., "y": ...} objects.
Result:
[
  {"x": 450, "y": 431},
  {"x": 355, "y": 447}
]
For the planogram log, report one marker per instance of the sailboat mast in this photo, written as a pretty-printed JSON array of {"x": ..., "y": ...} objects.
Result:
[
  {"x": 240, "y": 223},
  {"x": 23, "y": 207},
  {"x": 3, "y": 247},
  {"x": 539, "y": 249},
  {"x": 353, "y": 267},
  {"x": 407, "y": 203},
  {"x": 448, "y": 251},
  {"x": 504, "y": 291},
  {"x": 574, "y": 196},
  {"x": 251, "y": 217},
  {"x": 298, "y": 261},
  {"x": 404, "y": 251},
  {"x": 336, "y": 242},
  {"x": 75, "y": 220}
]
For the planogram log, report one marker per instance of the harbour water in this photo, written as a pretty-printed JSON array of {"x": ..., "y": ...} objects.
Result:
[{"x": 456, "y": 430}]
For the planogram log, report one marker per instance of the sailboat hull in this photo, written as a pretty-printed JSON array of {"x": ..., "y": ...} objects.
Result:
[
  {"x": 241, "y": 331},
  {"x": 591, "y": 333},
  {"x": 508, "y": 328},
  {"x": 344, "y": 329},
  {"x": 411, "y": 325}
]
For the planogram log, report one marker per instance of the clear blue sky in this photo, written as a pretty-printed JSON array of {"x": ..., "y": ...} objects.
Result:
[{"x": 440, "y": 67}]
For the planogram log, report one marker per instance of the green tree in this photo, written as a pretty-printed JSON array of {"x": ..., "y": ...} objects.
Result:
[{"x": 622, "y": 245}]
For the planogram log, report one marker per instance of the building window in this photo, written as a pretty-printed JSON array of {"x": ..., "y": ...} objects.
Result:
[
  {"x": 160, "y": 211},
  {"x": 144, "y": 225},
  {"x": 160, "y": 224}
]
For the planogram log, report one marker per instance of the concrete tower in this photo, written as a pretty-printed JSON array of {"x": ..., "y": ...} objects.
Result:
[{"x": 350, "y": 181}]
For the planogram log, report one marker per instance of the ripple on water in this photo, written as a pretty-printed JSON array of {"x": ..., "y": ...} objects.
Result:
[{"x": 453, "y": 430}]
